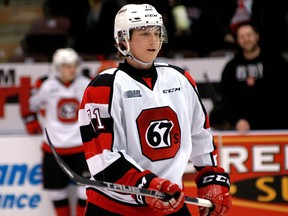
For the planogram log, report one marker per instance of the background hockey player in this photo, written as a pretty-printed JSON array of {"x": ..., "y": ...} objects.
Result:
[
  {"x": 60, "y": 94},
  {"x": 142, "y": 122}
]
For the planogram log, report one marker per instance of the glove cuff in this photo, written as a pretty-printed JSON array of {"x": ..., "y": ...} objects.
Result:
[
  {"x": 31, "y": 117},
  {"x": 212, "y": 175},
  {"x": 143, "y": 182}
]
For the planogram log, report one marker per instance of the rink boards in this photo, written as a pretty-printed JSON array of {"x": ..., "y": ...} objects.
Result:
[
  {"x": 257, "y": 163},
  {"x": 258, "y": 167}
]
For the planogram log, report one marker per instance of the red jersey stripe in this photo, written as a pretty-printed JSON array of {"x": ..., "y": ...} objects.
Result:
[
  {"x": 191, "y": 80},
  {"x": 99, "y": 94},
  {"x": 207, "y": 122},
  {"x": 98, "y": 144}
]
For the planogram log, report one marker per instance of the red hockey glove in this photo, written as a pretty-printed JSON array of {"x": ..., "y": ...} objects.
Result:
[
  {"x": 172, "y": 203},
  {"x": 32, "y": 124},
  {"x": 174, "y": 200},
  {"x": 213, "y": 184}
]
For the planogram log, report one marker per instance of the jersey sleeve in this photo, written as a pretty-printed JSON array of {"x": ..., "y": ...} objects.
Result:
[
  {"x": 38, "y": 95},
  {"x": 104, "y": 146},
  {"x": 204, "y": 151},
  {"x": 29, "y": 113}
]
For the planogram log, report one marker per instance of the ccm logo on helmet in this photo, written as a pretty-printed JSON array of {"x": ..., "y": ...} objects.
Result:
[{"x": 217, "y": 178}]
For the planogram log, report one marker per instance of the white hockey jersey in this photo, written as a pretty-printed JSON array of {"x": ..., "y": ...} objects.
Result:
[
  {"x": 134, "y": 121},
  {"x": 61, "y": 104}
]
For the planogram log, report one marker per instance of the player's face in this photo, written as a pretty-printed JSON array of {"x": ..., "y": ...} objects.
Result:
[
  {"x": 145, "y": 43},
  {"x": 67, "y": 72},
  {"x": 247, "y": 38}
]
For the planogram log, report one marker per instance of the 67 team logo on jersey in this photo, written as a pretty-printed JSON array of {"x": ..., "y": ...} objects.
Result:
[
  {"x": 158, "y": 134},
  {"x": 159, "y": 138}
]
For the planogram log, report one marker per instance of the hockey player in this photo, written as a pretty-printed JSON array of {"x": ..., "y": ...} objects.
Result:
[
  {"x": 142, "y": 122},
  {"x": 60, "y": 94}
]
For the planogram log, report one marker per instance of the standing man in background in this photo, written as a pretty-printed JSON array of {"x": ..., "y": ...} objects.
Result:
[
  {"x": 253, "y": 85},
  {"x": 59, "y": 94}
]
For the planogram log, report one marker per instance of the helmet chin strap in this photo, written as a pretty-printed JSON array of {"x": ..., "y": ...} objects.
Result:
[
  {"x": 137, "y": 60},
  {"x": 127, "y": 53}
]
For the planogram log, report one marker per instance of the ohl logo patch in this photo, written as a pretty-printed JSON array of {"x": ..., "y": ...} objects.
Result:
[{"x": 159, "y": 133}]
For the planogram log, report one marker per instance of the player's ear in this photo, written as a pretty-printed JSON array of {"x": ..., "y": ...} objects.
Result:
[
  {"x": 257, "y": 36},
  {"x": 124, "y": 43}
]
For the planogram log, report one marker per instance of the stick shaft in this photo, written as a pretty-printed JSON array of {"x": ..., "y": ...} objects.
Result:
[{"x": 117, "y": 187}]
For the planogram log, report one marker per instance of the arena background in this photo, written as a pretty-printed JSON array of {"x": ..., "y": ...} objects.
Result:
[{"x": 257, "y": 161}]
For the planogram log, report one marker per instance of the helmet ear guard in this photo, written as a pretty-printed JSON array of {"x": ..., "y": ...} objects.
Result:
[{"x": 123, "y": 36}]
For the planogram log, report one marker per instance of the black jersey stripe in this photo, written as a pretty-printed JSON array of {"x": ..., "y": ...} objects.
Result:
[
  {"x": 44, "y": 78},
  {"x": 116, "y": 170},
  {"x": 211, "y": 156},
  {"x": 88, "y": 131},
  {"x": 40, "y": 81},
  {"x": 61, "y": 203},
  {"x": 103, "y": 80}
]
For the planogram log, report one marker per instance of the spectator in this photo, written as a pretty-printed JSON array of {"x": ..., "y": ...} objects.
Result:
[
  {"x": 252, "y": 86},
  {"x": 268, "y": 16},
  {"x": 230, "y": 14},
  {"x": 59, "y": 95},
  {"x": 97, "y": 36},
  {"x": 141, "y": 123}
]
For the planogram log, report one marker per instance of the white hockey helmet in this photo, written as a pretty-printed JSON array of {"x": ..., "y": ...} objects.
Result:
[
  {"x": 133, "y": 16},
  {"x": 65, "y": 56}
]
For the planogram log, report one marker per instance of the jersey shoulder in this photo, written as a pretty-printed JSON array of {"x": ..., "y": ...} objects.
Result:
[
  {"x": 40, "y": 81},
  {"x": 178, "y": 69},
  {"x": 105, "y": 78},
  {"x": 171, "y": 66}
]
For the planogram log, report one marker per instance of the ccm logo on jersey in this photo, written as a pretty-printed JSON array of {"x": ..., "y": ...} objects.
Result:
[
  {"x": 171, "y": 90},
  {"x": 215, "y": 178}
]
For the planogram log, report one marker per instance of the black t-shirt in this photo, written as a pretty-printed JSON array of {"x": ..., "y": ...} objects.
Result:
[{"x": 255, "y": 90}]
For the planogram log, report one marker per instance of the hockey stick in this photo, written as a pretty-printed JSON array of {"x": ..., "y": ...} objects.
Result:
[{"x": 118, "y": 187}]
